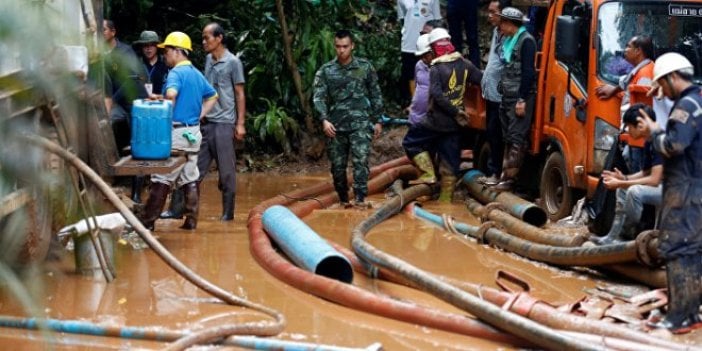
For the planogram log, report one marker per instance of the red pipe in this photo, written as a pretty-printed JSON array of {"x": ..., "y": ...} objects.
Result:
[{"x": 349, "y": 295}]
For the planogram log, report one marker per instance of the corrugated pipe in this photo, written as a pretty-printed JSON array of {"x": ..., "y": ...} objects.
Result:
[
  {"x": 494, "y": 315},
  {"x": 516, "y": 206},
  {"x": 523, "y": 229},
  {"x": 564, "y": 256},
  {"x": 305, "y": 247},
  {"x": 548, "y": 315},
  {"x": 160, "y": 334},
  {"x": 248, "y": 328},
  {"x": 350, "y": 295}
]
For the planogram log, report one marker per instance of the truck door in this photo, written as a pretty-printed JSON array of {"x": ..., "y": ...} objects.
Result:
[{"x": 562, "y": 118}]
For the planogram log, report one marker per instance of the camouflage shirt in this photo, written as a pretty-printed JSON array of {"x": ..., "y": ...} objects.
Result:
[{"x": 348, "y": 96}]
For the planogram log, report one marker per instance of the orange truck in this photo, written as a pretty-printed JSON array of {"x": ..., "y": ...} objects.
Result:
[{"x": 581, "y": 47}]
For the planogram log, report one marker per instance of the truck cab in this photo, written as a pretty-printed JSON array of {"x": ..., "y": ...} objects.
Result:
[{"x": 581, "y": 48}]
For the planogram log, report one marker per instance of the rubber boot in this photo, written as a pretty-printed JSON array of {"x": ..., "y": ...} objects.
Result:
[
  {"x": 154, "y": 205},
  {"x": 510, "y": 168},
  {"x": 137, "y": 185},
  {"x": 191, "y": 207},
  {"x": 423, "y": 162},
  {"x": 615, "y": 233},
  {"x": 683, "y": 303},
  {"x": 227, "y": 206},
  {"x": 447, "y": 187},
  {"x": 175, "y": 208}
]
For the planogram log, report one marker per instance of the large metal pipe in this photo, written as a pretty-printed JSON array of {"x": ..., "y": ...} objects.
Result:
[
  {"x": 350, "y": 295},
  {"x": 516, "y": 206},
  {"x": 549, "y": 315},
  {"x": 494, "y": 315},
  {"x": 305, "y": 247},
  {"x": 523, "y": 229}
]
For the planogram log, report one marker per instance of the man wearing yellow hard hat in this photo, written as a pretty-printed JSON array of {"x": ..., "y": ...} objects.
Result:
[{"x": 193, "y": 97}]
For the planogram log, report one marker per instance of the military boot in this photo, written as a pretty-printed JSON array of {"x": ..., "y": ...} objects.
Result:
[
  {"x": 191, "y": 205},
  {"x": 154, "y": 205},
  {"x": 423, "y": 162}
]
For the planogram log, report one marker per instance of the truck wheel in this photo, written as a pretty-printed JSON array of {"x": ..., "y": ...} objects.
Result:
[{"x": 556, "y": 196}]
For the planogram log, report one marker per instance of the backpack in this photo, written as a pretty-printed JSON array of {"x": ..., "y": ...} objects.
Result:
[{"x": 600, "y": 208}]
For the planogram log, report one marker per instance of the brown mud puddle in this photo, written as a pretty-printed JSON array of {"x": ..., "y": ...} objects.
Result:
[{"x": 148, "y": 293}]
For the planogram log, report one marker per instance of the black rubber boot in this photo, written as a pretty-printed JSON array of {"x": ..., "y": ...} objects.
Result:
[
  {"x": 683, "y": 303},
  {"x": 175, "y": 209},
  {"x": 227, "y": 207},
  {"x": 137, "y": 185},
  {"x": 154, "y": 205},
  {"x": 191, "y": 205}
]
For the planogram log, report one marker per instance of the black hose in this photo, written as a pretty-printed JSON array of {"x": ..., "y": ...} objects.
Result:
[{"x": 505, "y": 320}]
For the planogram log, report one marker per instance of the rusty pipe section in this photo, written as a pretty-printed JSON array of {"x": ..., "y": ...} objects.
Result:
[
  {"x": 547, "y": 314},
  {"x": 564, "y": 256},
  {"x": 586, "y": 255},
  {"x": 350, "y": 295},
  {"x": 523, "y": 229},
  {"x": 513, "y": 323},
  {"x": 516, "y": 206}
]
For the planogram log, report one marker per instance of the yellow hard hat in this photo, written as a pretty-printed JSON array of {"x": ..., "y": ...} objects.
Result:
[{"x": 178, "y": 40}]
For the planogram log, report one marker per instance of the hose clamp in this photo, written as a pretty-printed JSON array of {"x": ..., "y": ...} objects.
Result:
[
  {"x": 644, "y": 241},
  {"x": 485, "y": 215},
  {"x": 482, "y": 230}
]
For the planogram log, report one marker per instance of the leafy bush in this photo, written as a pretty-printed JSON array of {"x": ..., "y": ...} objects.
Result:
[{"x": 274, "y": 123}]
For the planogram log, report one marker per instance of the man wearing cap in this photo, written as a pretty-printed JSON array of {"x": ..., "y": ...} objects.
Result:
[
  {"x": 518, "y": 88},
  {"x": 488, "y": 85},
  {"x": 680, "y": 144},
  {"x": 156, "y": 68},
  {"x": 193, "y": 97},
  {"x": 449, "y": 76}
]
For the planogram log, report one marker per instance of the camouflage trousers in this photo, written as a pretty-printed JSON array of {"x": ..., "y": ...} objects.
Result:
[{"x": 356, "y": 143}]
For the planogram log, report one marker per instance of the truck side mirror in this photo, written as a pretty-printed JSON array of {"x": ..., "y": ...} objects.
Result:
[{"x": 567, "y": 38}]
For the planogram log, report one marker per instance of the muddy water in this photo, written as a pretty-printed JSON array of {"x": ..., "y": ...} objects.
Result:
[{"x": 147, "y": 293}]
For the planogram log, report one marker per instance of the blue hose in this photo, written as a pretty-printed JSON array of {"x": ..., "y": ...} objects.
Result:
[
  {"x": 303, "y": 246},
  {"x": 159, "y": 334}
]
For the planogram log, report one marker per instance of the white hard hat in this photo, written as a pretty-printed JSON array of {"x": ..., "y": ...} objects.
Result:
[
  {"x": 422, "y": 45},
  {"x": 438, "y": 34},
  {"x": 668, "y": 63},
  {"x": 514, "y": 14}
]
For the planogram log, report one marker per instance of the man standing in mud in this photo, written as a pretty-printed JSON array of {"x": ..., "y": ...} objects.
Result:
[
  {"x": 680, "y": 144},
  {"x": 349, "y": 102}
]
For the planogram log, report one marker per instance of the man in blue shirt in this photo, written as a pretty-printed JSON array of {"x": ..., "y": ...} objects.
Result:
[{"x": 193, "y": 97}]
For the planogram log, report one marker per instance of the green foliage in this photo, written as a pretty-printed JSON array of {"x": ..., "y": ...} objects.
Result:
[
  {"x": 274, "y": 123},
  {"x": 254, "y": 33}
]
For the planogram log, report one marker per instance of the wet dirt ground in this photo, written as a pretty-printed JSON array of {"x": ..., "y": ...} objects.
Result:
[{"x": 148, "y": 293}]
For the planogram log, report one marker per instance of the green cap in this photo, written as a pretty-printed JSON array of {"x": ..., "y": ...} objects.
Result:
[{"x": 148, "y": 37}]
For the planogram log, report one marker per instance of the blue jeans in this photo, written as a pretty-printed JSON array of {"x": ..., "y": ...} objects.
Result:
[{"x": 633, "y": 199}]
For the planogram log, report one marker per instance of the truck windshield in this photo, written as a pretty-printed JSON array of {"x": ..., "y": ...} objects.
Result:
[{"x": 672, "y": 26}]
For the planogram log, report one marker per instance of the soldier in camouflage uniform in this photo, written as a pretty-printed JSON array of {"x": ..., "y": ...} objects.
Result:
[{"x": 348, "y": 100}]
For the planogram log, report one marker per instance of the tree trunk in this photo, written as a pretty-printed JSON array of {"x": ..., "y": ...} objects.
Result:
[{"x": 292, "y": 65}]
